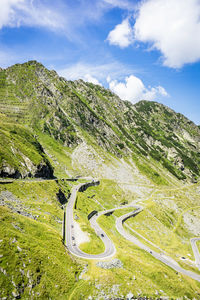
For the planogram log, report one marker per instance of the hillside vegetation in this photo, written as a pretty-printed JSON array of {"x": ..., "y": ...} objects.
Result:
[
  {"x": 148, "y": 134},
  {"x": 51, "y": 130}
]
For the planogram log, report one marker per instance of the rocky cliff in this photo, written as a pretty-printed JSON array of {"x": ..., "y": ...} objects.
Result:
[{"x": 147, "y": 134}]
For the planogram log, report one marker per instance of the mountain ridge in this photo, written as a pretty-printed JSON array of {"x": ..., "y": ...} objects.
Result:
[
  {"x": 65, "y": 110},
  {"x": 144, "y": 154}
]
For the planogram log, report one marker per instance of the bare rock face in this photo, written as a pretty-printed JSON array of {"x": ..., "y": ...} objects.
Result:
[
  {"x": 44, "y": 170},
  {"x": 115, "y": 263},
  {"x": 75, "y": 113},
  {"x": 8, "y": 171},
  {"x": 14, "y": 204},
  {"x": 61, "y": 197}
]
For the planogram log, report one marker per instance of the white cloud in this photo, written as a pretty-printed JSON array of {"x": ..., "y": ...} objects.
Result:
[
  {"x": 100, "y": 72},
  {"x": 124, "y": 4},
  {"x": 134, "y": 90},
  {"x": 172, "y": 27},
  {"x": 121, "y": 35},
  {"x": 7, "y": 11},
  {"x": 153, "y": 92},
  {"x": 108, "y": 79},
  {"x": 91, "y": 79},
  {"x": 7, "y": 58},
  {"x": 63, "y": 17},
  {"x": 14, "y": 13}
]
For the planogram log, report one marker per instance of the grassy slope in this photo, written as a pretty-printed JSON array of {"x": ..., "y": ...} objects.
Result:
[
  {"x": 59, "y": 156},
  {"x": 56, "y": 276},
  {"x": 141, "y": 274},
  {"x": 165, "y": 210},
  {"x": 17, "y": 143},
  {"x": 89, "y": 201},
  {"x": 41, "y": 268},
  {"x": 32, "y": 95},
  {"x": 38, "y": 238}
]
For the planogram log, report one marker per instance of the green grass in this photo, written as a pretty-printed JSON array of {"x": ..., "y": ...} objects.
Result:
[
  {"x": 165, "y": 211},
  {"x": 17, "y": 146},
  {"x": 119, "y": 131},
  {"x": 120, "y": 212},
  {"x": 148, "y": 170},
  {"x": 84, "y": 206},
  {"x": 142, "y": 273},
  {"x": 57, "y": 276},
  {"x": 60, "y": 156},
  {"x": 128, "y": 127},
  {"x": 41, "y": 267}
]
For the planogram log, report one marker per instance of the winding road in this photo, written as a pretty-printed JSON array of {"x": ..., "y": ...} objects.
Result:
[
  {"x": 70, "y": 234},
  {"x": 196, "y": 251},
  {"x": 163, "y": 258},
  {"x": 109, "y": 246}
]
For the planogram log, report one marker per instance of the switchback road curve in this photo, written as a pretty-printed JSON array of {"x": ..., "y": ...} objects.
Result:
[
  {"x": 109, "y": 246},
  {"x": 70, "y": 234},
  {"x": 196, "y": 251},
  {"x": 168, "y": 261}
]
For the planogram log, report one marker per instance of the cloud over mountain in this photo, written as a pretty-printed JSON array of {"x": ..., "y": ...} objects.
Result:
[
  {"x": 171, "y": 27},
  {"x": 133, "y": 89}
]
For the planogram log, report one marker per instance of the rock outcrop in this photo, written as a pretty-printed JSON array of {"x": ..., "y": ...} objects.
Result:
[
  {"x": 73, "y": 113},
  {"x": 115, "y": 263}
]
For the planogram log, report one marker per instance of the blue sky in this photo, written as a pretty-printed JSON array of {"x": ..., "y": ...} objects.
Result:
[{"x": 139, "y": 49}]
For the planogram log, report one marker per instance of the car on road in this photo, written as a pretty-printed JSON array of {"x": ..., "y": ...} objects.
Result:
[
  {"x": 102, "y": 234},
  {"x": 72, "y": 226},
  {"x": 73, "y": 238}
]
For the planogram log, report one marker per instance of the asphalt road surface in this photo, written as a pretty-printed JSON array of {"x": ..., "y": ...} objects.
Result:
[
  {"x": 110, "y": 250},
  {"x": 70, "y": 234},
  {"x": 196, "y": 251},
  {"x": 163, "y": 258}
]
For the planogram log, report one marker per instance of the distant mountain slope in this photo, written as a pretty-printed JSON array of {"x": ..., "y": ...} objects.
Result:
[
  {"x": 150, "y": 135},
  {"x": 172, "y": 139},
  {"x": 20, "y": 153}
]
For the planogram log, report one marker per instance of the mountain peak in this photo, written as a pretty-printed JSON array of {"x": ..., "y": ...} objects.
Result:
[
  {"x": 70, "y": 112},
  {"x": 34, "y": 63}
]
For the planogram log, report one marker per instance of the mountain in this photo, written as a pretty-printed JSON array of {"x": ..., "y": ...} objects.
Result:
[
  {"x": 147, "y": 134},
  {"x": 55, "y": 134}
]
